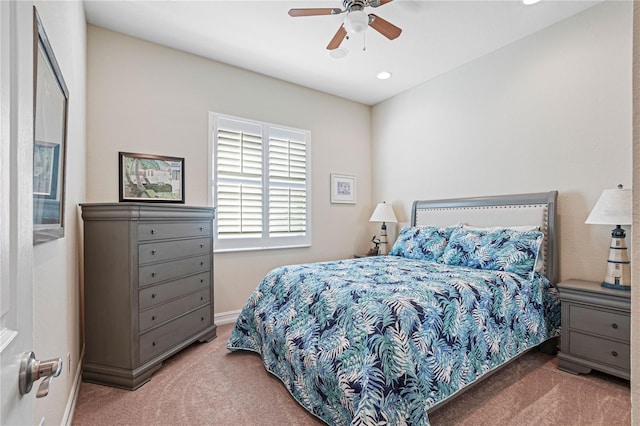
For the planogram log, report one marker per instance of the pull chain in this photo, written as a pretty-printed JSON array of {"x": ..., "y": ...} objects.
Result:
[{"x": 364, "y": 41}]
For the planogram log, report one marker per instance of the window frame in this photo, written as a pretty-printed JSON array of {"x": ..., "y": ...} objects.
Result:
[{"x": 265, "y": 242}]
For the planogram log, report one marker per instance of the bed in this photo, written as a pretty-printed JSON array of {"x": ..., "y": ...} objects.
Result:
[{"x": 467, "y": 288}]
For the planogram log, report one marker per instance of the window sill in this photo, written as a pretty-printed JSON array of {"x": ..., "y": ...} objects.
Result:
[{"x": 236, "y": 250}]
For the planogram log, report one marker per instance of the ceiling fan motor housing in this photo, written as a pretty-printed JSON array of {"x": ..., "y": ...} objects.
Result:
[{"x": 353, "y": 5}]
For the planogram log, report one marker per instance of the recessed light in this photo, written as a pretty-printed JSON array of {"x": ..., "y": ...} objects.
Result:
[
  {"x": 338, "y": 53},
  {"x": 530, "y": 2},
  {"x": 383, "y": 75}
]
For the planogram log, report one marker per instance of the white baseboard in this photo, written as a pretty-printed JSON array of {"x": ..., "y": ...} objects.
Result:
[
  {"x": 73, "y": 396},
  {"x": 226, "y": 317}
]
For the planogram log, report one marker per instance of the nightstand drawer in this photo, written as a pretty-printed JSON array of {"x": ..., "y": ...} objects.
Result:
[
  {"x": 604, "y": 323},
  {"x": 600, "y": 350}
]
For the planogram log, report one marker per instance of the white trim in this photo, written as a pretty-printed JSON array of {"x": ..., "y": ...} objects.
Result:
[
  {"x": 212, "y": 129},
  {"x": 6, "y": 336},
  {"x": 235, "y": 250},
  {"x": 226, "y": 317},
  {"x": 67, "y": 418}
]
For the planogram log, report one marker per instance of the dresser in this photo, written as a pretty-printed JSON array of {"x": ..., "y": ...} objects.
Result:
[
  {"x": 596, "y": 329},
  {"x": 148, "y": 287}
]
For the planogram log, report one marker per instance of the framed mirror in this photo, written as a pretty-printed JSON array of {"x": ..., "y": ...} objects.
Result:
[{"x": 51, "y": 104}]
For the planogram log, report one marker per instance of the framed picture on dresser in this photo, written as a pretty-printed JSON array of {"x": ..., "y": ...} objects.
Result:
[{"x": 151, "y": 178}]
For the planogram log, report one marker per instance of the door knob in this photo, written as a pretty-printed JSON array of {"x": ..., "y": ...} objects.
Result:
[{"x": 32, "y": 370}]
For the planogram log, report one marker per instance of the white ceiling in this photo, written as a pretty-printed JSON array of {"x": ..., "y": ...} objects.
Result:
[{"x": 260, "y": 36}]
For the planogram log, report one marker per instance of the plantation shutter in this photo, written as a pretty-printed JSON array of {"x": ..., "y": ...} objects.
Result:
[
  {"x": 239, "y": 167},
  {"x": 260, "y": 185},
  {"x": 287, "y": 187}
]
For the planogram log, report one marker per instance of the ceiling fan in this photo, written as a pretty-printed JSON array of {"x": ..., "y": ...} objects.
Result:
[{"x": 356, "y": 20}]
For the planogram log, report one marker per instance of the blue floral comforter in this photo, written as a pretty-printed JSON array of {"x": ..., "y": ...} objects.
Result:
[{"x": 380, "y": 340}]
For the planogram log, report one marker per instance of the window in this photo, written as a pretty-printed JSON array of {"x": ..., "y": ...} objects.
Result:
[{"x": 260, "y": 185}]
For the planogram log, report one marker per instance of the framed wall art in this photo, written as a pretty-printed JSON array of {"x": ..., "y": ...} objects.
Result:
[
  {"x": 343, "y": 189},
  {"x": 51, "y": 106},
  {"x": 151, "y": 178}
]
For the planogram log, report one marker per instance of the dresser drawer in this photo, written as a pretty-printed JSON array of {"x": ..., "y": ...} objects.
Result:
[
  {"x": 161, "y": 293},
  {"x": 168, "y": 311},
  {"x": 596, "y": 321},
  {"x": 605, "y": 351},
  {"x": 160, "y": 231},
  {"x": 166, "y": 271},
  {"x": 162, "y": 338},
  {"x": 161, "y": 251}
]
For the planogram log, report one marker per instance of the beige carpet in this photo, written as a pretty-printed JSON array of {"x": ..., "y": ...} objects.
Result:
[{"x": 207, "y": 385}]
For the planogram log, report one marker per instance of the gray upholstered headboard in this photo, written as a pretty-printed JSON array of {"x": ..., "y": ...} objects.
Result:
[{"x": 537, "y": 209}]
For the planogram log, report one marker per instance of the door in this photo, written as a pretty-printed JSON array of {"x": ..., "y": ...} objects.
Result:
[{"x": 16, "y": 193}]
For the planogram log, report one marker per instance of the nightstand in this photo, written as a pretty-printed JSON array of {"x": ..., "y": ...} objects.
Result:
[{"x": 596, "y": 325}]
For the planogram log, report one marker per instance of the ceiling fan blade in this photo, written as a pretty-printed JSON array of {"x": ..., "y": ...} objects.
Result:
[
  {"x": 385, "y": 28},
  {"x": 314, "y": 12},
  {"x": 337, "y": 39}
]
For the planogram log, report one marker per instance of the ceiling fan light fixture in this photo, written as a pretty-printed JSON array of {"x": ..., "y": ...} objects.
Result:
[
  {"x": 383, "y": 75},
  {"x": 530, "y": 2},
  {"x": 356, "y": 21}
]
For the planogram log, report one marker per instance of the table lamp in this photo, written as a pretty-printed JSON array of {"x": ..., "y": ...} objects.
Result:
[
  {"x": 614, "y": 208},
  {"x": 383, "y": 213}
]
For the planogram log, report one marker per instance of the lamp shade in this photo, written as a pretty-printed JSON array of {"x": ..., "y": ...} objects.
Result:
[
  {"x": 613, "y": 208},
  {"x": 383, "y": 213}
]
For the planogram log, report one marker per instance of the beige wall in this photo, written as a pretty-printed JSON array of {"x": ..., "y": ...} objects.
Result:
[
  {"x": 146, "y": 98},
  {"x": 56, "y": 303},
  {"x": 549, "y": 112}
]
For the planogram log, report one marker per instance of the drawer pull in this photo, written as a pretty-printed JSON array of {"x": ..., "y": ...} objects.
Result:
[
  {"x": 202, "y": 228},
  {"x": 201, "y": 280},
  {"x": 201, "y": 318},
  {"x": 153, "y": 274},
  {"x": 201, "y": 245},
  {"x": 614, "y": 353},
  {"x": 201, "y": 298},
  {"x": 614, "y": 325},
  {"x": 153, "y": 295},
  {"x": 153, "y": 252},
  {"x": 153, "y": 231},
  {"x": 153, "y": 318},
  {"x": 201, "y": 263},
  {"x": 153, "y": 343}
]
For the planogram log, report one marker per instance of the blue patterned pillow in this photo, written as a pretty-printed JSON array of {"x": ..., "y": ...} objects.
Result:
[
  {"x": 496, "y": 249},
  {"x": 422, "y": 242}
]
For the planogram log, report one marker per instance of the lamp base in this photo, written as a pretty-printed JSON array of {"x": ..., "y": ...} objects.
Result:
[
  {"x": 384, "y": 244},
  {"x": 618, "y": 275},
  {"x": 616, "y": 286}
]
